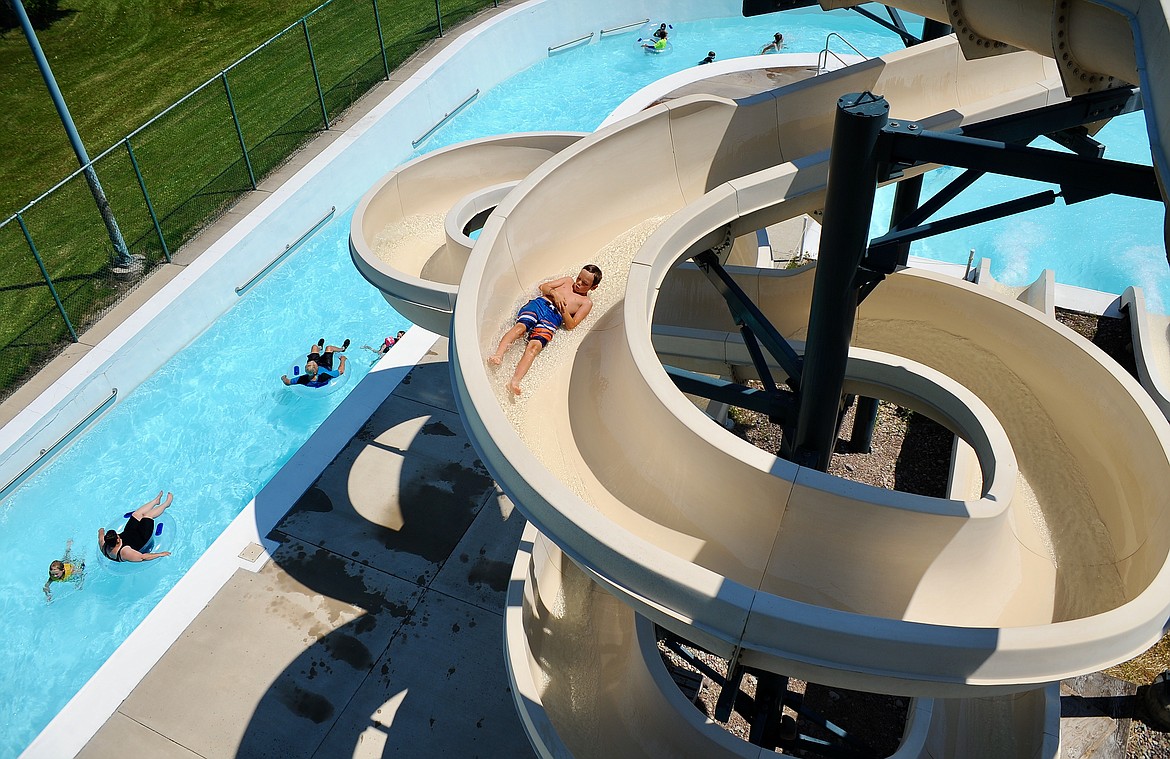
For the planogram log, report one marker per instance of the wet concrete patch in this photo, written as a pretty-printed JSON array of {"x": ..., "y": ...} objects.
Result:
[
  {"x": 481, "y": 566},
  {"x": 452, "y": 698},
  {"x": 304, "y": 703},
  {"x": 494, "y": 574},
  {"x": 270, "y": 663},
  {"x": 438, "y": 428}
]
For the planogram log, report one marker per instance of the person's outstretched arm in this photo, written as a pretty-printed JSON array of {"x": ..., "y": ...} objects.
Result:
[
  {"x": 129, "y": 554},
  {"x": 48, "y": 595},
  {"x": 341, "y": 368}
]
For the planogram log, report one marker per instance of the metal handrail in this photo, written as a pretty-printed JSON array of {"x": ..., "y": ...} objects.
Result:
[
  {"x": 49, "y": 449},
  {"x": 446, "y": 117},
  {"x": 630, "y": 25},
  {"x": 284, "y": 253},
  {"x": 823, "y": 56},
  {"x": 554, "y": 48}
]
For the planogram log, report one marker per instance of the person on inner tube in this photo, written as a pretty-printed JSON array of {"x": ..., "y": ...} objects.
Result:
[
  {"x": 319, "y": 365},
  {"x": 657, "y": 44},
  {"x": 139, "y": 529}
]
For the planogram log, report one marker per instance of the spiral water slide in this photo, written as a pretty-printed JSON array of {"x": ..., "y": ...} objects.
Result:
[
  {"x": 1048, "y": 562},
  {"x": 409, "y": 236}
]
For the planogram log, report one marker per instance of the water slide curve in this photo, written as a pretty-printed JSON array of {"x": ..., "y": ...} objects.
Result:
[{"x": 1049, "y": 562}]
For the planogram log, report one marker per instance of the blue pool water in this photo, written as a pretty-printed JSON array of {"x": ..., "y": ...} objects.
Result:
[{"x": 214, "y": 424}]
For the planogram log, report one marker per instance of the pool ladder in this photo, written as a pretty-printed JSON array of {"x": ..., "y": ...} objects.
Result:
[{"x": 823, "y": 56}]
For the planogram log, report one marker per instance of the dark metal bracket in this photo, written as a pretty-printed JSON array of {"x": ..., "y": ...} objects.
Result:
[
  {"x": 895, "y": 24},
  {"x": 778, "y": 405},
  {"x": 752, "y": 322}
]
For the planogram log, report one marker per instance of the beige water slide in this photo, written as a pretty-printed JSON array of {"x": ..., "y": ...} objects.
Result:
[{"x": 1050, "y": 562}]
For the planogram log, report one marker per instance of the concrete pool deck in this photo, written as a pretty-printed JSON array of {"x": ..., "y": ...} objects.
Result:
[{"x": 375, "y": 629}]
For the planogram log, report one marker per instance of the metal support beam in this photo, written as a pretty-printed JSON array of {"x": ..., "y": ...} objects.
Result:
[
  {"x": 769, "y": 708},
  {"x": 1077, "y": 140},
  {"x": 778, "y": 406},
  {"x": 906, "y": 197},
  {"x": 908, "y": 39},
  {"x": 938, "y": 200},
  {"x": 932, "y": 30},
  {"x": 884, "y": 252},
  {"x": 861, "y": 441},
  {"x": 1025, "y": 126},
  {"x": 1077, "y": 176},
  {"x": 746, "y": 313},
  {"x": 852, "y": 183}
]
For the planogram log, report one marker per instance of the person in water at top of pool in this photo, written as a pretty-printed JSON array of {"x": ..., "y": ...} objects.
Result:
[
  {"x": 319, "y": 365},
  {"x": 775, "y": 45},
  {"x": 138, "y": 531},
  {"x": 563, "y": 302},
  {"x": 65, "y": 569},
  {"x": 660, "y": 32}
]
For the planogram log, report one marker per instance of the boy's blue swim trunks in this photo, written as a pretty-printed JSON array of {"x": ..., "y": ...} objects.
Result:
[{"x": 541, "y": 319}]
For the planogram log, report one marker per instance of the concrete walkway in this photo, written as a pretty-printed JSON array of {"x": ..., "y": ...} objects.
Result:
[{"x": 377, "y": 627}]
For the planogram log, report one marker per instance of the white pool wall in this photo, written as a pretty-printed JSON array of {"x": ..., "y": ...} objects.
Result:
[{"x": 479, "y": 59}]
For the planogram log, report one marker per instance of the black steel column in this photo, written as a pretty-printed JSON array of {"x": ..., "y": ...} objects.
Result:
[
  {"x": 848, "y": 207},
  {"x": 932, "y": 29},
  {"x": 861, "y": 441}
]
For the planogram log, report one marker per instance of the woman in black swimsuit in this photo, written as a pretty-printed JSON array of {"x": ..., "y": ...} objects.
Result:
[{"x": 128, "y": 545}]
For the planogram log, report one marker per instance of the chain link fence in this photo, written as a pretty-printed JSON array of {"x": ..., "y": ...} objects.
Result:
[{"x": 185, "y": 167}]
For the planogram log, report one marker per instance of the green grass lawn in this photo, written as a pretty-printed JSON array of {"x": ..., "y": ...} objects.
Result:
[{"x": 119, "y": 64}]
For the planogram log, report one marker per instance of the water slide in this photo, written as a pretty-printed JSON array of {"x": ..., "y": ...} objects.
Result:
[
  {"x": 410, "y": 232},
  {"x": 1049, "y": 562}
]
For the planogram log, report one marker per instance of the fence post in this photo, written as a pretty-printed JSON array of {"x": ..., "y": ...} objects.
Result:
[
  {"x": 381, "y": 41},
  {"x": 48, "y": 279},
  {"x": 149, "y": 206},
  {"x": 439, "y": 17},
  {"x": 313, "y": 63},
  {"x": 239, "y": 132}
]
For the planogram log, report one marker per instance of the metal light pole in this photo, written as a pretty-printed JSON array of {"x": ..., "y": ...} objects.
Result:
[{"x": 122, "y": 257}]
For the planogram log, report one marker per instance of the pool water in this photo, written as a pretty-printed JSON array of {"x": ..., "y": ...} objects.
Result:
[
  {"x": 577, "y": 89},
  {"x": 214, "y": 424}
]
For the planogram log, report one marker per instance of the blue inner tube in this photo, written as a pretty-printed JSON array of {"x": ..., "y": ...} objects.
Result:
[
  {"x": 162, "y": 539},
  {"x": 314, "y": 390}
]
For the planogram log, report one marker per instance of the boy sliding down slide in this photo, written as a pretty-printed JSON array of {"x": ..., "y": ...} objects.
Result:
[{"x": 562, "y": 302}]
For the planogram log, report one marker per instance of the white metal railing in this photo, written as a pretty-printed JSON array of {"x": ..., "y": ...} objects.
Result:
[
  {"x": 19, "y": 478},
  {"x": 623, "y": 27},
  {"x": 570, "y": 43},
  {"x": 823, "y": 56},
  {"x": 446, "y": 117},
  {"x": 284, "y": 253}
]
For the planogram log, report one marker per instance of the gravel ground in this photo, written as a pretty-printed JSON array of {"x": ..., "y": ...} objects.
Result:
[{"x": 910, "y": 453}]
